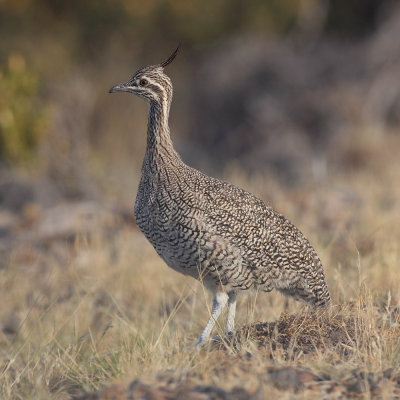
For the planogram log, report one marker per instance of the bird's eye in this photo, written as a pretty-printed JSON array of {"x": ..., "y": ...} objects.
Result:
[{"x": 143, "y": 82}]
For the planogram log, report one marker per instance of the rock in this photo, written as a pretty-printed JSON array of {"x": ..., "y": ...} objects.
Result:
[
  {"x": 111, "y": 393},
  {"x": 290, "y": 378},
  {"x": 335, "y": 388},
  {"x": 389, "y": 373},
  {"x": 14, "y": 195},
  {"x": 11, "y": 325},
  {"x": 68, "y": 219},
  {"x": 355, "y": 386},
  {"x": 8, "y": 222}
]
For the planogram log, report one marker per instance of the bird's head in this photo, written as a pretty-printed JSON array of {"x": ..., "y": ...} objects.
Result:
[{"x": 149, "y": 82}]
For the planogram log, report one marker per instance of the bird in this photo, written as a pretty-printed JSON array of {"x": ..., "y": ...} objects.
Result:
[{"x": 209, "y": 229}]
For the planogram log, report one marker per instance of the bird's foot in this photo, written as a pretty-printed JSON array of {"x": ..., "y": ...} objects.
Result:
[{"x": 199, "y": 342}]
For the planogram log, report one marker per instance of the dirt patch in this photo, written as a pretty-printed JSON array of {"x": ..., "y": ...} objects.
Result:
[{"x": 343, "y": 330}]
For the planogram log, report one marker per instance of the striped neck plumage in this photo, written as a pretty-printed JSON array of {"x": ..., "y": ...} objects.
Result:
[{"x": 158, "y": 137}]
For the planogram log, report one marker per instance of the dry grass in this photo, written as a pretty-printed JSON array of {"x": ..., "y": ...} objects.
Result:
[{"x": 78, "y": 316}]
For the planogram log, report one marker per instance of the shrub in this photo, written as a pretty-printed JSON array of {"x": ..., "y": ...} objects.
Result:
[{"x": 23, "y": 122}]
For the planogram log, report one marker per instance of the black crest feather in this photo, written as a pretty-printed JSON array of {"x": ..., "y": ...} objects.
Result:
[{"x": 170, "y": 58}]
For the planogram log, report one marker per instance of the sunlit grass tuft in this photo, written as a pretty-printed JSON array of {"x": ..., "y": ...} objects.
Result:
[{"x": 79, "y": 316}]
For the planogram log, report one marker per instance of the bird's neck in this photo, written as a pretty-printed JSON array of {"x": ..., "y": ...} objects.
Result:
[{"x": 159, "y": 144}]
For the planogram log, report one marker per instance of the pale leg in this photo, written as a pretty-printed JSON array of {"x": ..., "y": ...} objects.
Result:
[
  {"x": 230, "y": 316},
  {"x": 219, "y": 302}
]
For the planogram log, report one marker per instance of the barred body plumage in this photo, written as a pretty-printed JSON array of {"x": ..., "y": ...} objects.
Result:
[{"x": 209, "y": 229}]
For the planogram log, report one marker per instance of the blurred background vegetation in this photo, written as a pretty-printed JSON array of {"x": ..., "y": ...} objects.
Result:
[
  {"x": 297, "y": 101},
  {"x": 286, "y": 86}
]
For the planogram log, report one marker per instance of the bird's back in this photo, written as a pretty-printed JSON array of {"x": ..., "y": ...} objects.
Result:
[{"x": 224, "y": 235}]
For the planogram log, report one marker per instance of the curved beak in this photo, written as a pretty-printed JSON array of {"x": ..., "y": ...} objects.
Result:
[{"x": 122, "y": 87}]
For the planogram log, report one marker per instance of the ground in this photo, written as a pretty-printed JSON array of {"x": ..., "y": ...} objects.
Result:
[{"x": 90, "y": 311}]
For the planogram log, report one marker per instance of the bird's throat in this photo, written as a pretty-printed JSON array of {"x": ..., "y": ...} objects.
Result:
[{"x": 159, "y": 144}]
